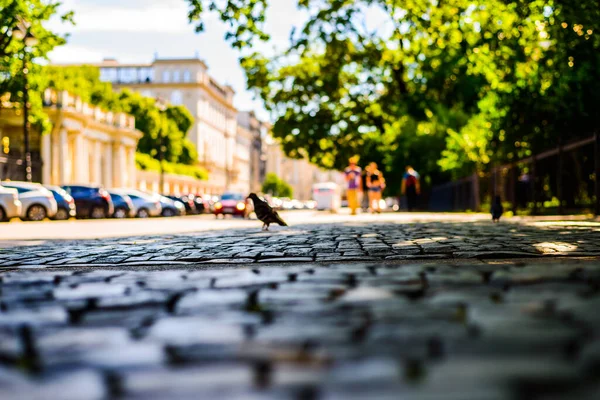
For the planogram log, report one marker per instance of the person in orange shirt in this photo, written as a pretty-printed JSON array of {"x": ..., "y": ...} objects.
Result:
[{"x": 354, "y": 183}]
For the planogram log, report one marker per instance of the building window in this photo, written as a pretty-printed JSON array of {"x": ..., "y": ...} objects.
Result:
[
  {"x": 186, "y": 75},
  {"x": 146, "y": 75},
  {"x": 176, "y": 98},
  {"x": 166, "y": 76},
  {"x": 108, "y": 74},
  {"x": 176, "y": 76},
  {"x": 127, "y": 75}
]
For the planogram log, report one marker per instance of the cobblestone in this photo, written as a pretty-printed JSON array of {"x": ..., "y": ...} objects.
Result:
[
  {"x": 391, "y": 241},
  {"x": 283, "y": 331},
  {"x": 415, "y": 311}
]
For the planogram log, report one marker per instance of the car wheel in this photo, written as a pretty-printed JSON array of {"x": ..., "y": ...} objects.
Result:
[
  {"x": 143, "y": 213},
  {"x": 167, "y": 212},
  {"x": 36, "y": 212},
  {"x": 120, "y": 213},
  {"x": 98, "y": 213},
  {"x": 61, "y": 214},
  {"x": 2, "y": 215}
]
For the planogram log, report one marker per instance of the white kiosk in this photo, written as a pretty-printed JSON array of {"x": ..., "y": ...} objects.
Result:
[{"x": 328, "y": 196}]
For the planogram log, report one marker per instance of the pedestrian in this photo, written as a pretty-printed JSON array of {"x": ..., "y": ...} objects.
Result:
[
  {"x": 375, "y": 186},
  {"x": 354, "y": 183},
  {"x": 364, "y": 200},
  {"x": 411, "y": 187}
]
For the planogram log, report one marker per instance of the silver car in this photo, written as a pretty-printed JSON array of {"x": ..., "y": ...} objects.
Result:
[
  {"x": 170, "y": 207},
  {"x": 145, "y": 204},
  {"x": 37, "y": 202},
  {"x": 10, "y": 206}
]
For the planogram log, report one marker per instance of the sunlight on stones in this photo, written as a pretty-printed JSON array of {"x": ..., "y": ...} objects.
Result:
[{"x": 552, "y": 247}]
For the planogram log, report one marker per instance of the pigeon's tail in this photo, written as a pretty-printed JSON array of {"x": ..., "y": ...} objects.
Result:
[{"x": 280, "y": 221}]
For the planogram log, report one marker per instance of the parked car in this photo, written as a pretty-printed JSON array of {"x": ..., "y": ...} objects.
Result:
[
  {"x": 276, "y": 203},
  {"x": 235, "y": 204},
  {"x": 286, "y": 203},
  {"x": 37, "y": 202},
  {"x": 310, "y": 205},
  {"x": 297, "y": 204},
  {"x": 188, "y": 202},
  {"x": 170, "y": 207},
  {"x": 65, "y": 203},
  {"x": 91, "y": 201},
  {"x": 147, "y": 205},
  {"x": 10, "y": 206},
  {"x": 204, "y": 203},
  {"x": 124, "y": 207}
]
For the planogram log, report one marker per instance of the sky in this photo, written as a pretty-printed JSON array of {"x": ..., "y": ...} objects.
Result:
[{"x": 137, "y": 30}]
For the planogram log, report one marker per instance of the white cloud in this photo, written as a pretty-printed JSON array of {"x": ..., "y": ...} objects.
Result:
[
  {"x": 163, "y": 17},
  {"x": 74, "y": 54}
]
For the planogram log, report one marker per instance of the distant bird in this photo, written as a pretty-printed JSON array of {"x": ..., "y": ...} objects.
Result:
[
  {"x": 265, "y": 212},
  {"x": 497, "y": 209}
]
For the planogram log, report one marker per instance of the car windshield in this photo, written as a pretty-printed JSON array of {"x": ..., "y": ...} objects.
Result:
[
  {"x": 19, "y": 189},
  {"x": 232, "y": 196}
]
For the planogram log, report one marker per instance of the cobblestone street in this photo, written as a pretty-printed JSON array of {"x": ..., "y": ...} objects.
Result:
[{"x": 453, "y": 309}]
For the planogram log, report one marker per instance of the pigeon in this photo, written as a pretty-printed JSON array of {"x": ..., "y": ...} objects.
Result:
[
  {"x": 497, "y": 209},
  {"x": 265, "y": 212}
]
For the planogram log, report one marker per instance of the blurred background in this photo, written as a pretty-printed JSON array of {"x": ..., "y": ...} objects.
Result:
[{"x": 163, "y": 108}]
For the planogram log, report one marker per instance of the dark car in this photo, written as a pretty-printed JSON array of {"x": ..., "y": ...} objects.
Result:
[
  {"x": 200, "y": 203},
  {"x": 188, "y": 202},
  {"x": 235, "y": 204},
  {"x": 65, "y": 203},
  {"x": 123, "y": 205},
  {"x": 91, "y": 201}
]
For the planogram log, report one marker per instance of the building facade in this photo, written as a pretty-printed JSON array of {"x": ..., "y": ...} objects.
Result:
[
  {"x": 256, "y": 130},
  {"x": 241, "y": 169},
  {"x": 187, "y": 82},
  {"x": 87, "y": 145}
]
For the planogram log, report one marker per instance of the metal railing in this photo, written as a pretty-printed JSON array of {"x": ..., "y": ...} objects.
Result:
[
  {"x": 562, "y": 179},
  {"x": 13, "y": 168}
]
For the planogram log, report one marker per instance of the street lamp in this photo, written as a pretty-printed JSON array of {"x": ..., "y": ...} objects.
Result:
[
  {"x": 23, "y": 32},
  {"x": 162, "y": 107}
]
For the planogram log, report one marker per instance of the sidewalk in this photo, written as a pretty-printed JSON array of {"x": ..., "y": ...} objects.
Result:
[
  {"x": 346, "y": 241},
  {"x": 413, "y": 310}
]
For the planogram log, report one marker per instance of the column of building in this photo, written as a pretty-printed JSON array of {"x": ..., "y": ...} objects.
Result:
[
  {"x": 81, "y": 160},
  {"x": 97, "y": 162},
  {"x": 46, "y": 152},
  {"x": 108, "y": 165},
  {"x": 131, "y": 166}
]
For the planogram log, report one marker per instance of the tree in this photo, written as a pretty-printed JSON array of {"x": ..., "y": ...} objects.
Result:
[
  {"x": 448, "y": 86},
  {"x": 32, "y": 14},
  {"x": 277, "y": 187}
]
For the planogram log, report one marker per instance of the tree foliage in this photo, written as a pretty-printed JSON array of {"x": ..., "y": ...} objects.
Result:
[
  {"x": 448, "y": 86},
  {"x": 33, "y": 14},
  {"x": 146, "y": 162},
  {"x": 276, "y": 186}
]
